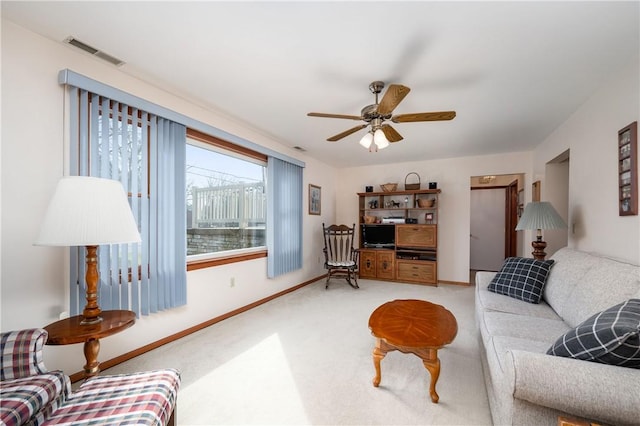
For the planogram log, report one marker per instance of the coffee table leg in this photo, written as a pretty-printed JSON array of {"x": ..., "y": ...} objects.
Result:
[
  {"x": 378, "y": 353},
  {"x": 432, "y": 363}
]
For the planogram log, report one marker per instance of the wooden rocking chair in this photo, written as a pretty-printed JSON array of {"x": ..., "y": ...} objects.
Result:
[{"x": 340, "y": 258}]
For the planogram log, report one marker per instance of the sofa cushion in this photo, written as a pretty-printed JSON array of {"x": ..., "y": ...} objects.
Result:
[
  {"x": 498, "y": 350},
  {"x": 609, "y": 337},
  {"x": 31, "y": 399},
  {"x": 143, "y": 398},
  {"x": 522, "y": 278},
  {"x": 524, "y": 327},
  {"x": 608, "y": 283},
  {"x": 489, "y": 301},
  {"x": 569, "y": 268}
]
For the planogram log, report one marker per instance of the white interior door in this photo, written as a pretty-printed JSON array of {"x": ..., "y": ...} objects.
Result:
[{"x": 487, "y": 229}]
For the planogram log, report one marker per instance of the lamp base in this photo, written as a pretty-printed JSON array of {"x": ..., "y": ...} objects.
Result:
[
  {"x": 91, "y": 312},
  {"x": 538, "y": 249}
]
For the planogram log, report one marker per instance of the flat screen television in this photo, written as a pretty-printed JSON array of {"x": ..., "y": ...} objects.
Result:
[{"x": 380, "y": 236}]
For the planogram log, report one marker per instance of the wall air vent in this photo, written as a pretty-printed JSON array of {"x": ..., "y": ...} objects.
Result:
[{"x": 93, "y": 51}]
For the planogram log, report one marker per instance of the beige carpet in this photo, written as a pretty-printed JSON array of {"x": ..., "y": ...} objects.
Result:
[{"x": 305, "y": 358}]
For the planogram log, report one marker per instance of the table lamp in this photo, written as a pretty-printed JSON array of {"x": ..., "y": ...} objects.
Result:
[
  {"x": 88, "y": 211},
  {"x": 540, "y": 215}
]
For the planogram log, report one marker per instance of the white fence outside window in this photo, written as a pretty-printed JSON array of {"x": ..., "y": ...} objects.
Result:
[{"x": 242, "y": 205}]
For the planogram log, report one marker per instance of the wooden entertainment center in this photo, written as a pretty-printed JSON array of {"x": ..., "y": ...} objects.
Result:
[{"x": 412, "y": 256}]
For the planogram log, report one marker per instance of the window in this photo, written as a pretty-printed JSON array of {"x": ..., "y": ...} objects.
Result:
[{"x": 226, "y": 199}]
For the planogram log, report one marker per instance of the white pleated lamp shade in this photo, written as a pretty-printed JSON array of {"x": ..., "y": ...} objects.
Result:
[
  {"x": 88, "y": 211},
  {"x": 540, "y": 215}
]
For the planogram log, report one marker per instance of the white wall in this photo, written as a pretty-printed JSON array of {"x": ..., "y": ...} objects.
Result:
[
  {"x": 591, "y": 134},
  {"x": 33, "y": 287},
  {"x": 453, "y": 177}
]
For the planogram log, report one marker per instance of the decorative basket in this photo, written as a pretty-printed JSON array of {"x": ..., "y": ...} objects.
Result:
[
  {"x": 389, "y": 187},
  {"x": 426, "y": 202},
  {"x": 370, "y": 219},
  {"x": 408, "y": 186}
]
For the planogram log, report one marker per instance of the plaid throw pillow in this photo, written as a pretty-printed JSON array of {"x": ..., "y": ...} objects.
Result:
[
  {"x": 521, "y": 278},
  {"x": 609, "y": 337}
]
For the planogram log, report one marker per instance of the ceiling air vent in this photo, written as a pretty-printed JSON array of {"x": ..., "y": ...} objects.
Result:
[
  {"x": 93, "y": 51},
  {"x": 299, "y": 148}
]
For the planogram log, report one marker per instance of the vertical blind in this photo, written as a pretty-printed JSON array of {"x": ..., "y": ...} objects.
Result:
[
  {"x": 284, "y": 217},
  {"x": 146, "y": 153}
]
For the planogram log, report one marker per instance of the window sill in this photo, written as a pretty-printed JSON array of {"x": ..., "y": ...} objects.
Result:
[{"x": 195, "y": 264}]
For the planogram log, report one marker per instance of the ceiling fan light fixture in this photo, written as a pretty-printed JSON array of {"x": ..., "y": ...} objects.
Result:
[
  {"x": 367, "y": 140},
  {"x": 376, "y": 114},
  {"x": 380, "y": 139}
]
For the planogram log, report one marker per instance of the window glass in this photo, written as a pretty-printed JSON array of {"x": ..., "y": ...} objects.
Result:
[{"x": 226, "y": 201}]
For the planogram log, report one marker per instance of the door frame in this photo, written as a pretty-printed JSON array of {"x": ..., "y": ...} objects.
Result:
[{"x": 511, "y": 220}]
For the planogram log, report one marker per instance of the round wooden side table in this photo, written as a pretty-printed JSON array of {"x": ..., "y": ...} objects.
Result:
[
  {"x": 70, "y": 330},
  {"x": 412, "y": 326}
]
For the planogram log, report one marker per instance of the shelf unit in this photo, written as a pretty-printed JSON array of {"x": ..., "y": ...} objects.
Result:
[
  {"x": 414, "y": 257},
  {"x": 404, "y": 204}
]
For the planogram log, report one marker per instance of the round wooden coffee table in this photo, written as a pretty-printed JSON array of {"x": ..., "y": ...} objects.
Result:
[{"x": 412, "y": 326}]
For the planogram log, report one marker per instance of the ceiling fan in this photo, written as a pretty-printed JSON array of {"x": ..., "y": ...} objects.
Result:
[{"x": 376, "y": 114}]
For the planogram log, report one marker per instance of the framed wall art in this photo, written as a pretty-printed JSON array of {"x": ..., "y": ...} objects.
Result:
[
  {"x": 535, "y": 191},
  {"x": 520, "y": 202},
  {"x": 315, "y": 199},
  {"x": 628, "y": 170}
]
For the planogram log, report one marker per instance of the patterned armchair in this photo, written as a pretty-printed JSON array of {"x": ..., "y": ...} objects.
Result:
[
  {"x": 29, "y": 392},
  {"x": 31, "y": 395}
]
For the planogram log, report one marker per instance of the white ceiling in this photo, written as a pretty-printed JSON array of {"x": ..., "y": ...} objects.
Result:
[{"x": 513, "y": 71}]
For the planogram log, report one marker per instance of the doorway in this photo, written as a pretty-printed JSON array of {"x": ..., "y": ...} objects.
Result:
[
  {"x": 487, "y": 229},
  {"x": 494, "y": 214}
]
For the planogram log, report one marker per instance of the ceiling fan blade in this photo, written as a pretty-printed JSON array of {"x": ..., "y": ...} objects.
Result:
[
  {"x": 346, "y": 133},
  {"x": 424, "y": 116},
  {"x": 392, "y": 97},
  {"x": 390, "y": 133},
  {"x": 321, "y": 114}
]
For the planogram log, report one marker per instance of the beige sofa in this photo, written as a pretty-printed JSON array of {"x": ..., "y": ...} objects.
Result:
[{"x": 526, "y": 386}]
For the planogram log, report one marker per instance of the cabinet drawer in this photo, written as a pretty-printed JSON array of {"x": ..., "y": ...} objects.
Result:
[
  {"x": 416, "y": 235},
  {"x": 418, "y": 271}
]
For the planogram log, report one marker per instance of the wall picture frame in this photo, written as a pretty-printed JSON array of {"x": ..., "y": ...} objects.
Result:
[
  {"x": 535, "y": 191},
  {"x": 520, "y": 202},
  {"x": 315, "y": 199},
  {"x": 628, "y": 170}
]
